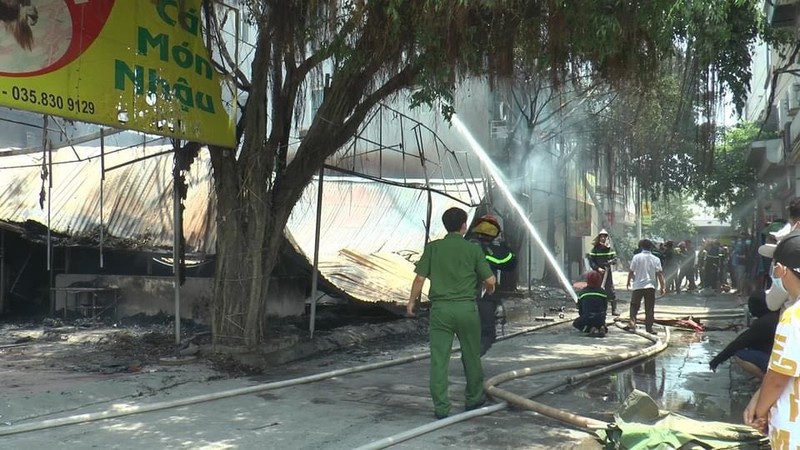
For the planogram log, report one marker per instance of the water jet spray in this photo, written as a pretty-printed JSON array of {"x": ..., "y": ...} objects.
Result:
[{"x": 495, "y": 173}]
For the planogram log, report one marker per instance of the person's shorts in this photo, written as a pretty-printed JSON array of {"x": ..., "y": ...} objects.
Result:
[{"x": 757, "y": 357}]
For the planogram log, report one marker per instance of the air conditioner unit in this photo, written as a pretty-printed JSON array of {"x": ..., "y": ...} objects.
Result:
[{"x": 794, "y": 98}]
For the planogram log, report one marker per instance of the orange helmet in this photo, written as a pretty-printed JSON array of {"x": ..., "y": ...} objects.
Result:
[{"x": 487, "y": 225}]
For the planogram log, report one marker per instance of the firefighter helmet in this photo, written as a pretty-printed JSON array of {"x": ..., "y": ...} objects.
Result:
[{"x": 487, "y": 225}]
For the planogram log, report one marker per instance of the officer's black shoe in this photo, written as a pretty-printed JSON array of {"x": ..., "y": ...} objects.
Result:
[
  {"x": 441, "y": 416},
  {"x": 476, "y": 405}
]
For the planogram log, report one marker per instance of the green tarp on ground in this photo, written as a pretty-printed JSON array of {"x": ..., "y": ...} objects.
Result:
[{"x": 640, "y": 425}]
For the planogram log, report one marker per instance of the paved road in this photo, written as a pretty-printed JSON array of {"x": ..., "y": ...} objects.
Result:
[{"x": 349, "y": 411}]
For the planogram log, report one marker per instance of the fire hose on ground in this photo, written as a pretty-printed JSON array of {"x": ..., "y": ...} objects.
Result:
[
  {"x": 524, "y": 402},
  {"x": 616, "y": 362},
  {"x": 143, "y": 408}
]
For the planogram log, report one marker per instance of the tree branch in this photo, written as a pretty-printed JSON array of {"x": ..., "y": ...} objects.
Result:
[
  {"x": 400, "y": 80},
  {"x": 308, "y": 158},
  {"x": 239, "y": 77}
]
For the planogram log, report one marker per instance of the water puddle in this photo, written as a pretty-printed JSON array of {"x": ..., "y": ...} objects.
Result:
[{"x": 680, "y": 381}]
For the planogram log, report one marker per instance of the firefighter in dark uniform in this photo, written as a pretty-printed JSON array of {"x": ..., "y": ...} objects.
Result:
[
  {"x": 712, "y": 267},
  {"x": 486, "y": 232},
  {"x": 601, "y": 258},
  {"x": 592, "y": 306}
]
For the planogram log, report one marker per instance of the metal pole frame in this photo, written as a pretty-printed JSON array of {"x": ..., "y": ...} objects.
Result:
[
  {"x": 2, "y": 270},
  {"x": 312, "y": 321},
  {"x": 315, "y": 274},
  {"x": 48, "y": 162},
  {"x": 102, "y": 198},
  {"x": 176, "y": 242}
]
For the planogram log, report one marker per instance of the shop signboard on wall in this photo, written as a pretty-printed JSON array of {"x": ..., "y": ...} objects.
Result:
[{"x": 140, "y": 65}]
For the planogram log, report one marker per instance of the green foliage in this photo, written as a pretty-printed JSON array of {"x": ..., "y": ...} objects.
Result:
[
  {"x": 619, "y": 42},
  {"x": 626, "y": 244},
  {"x": 649, "y": 134},
  {"x": 671, "y": 221},
  {"x": 730, "y": 186}
]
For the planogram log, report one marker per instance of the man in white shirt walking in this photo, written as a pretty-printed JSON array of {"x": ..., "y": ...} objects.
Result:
[{"x": 644, "y": 271}]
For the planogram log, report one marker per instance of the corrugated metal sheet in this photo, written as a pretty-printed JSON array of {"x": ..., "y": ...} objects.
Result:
[
  {"x": 370, "y": 216},
  {"x": 370, "y": 230},
  {"x": 374, "y": 278},
  {"x": 137, "y": 198}
]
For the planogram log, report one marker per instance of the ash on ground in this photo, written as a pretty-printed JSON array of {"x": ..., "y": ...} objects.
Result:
[{"x": 138, "y": 343}]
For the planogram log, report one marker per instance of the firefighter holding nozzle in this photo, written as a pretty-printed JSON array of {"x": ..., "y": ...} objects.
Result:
[
  {"x": 601, "y": 258},
  {"x": 486, "y": 233}
]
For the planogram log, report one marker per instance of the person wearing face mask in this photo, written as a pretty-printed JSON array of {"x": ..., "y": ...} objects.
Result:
[
  {"x": 777, "y": 296},
  {"x": 773, "y": 407}
]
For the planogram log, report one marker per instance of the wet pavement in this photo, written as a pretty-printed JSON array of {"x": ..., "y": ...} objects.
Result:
[
  {"x": 679, "y": 379},
  {"x": 351, "y": 410}
]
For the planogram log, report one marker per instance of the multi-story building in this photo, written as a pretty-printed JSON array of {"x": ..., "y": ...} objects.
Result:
[{"x": 773, "y": 104}]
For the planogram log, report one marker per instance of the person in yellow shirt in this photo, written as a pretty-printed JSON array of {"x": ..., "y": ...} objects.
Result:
[{"x": 774, "y": 407}]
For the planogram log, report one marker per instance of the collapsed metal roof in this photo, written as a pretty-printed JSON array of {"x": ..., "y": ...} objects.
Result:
[
  {"x": 137, "y": 198},
  {"x": 370, "y": 230}
]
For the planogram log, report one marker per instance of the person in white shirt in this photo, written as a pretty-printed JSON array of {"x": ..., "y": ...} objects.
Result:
[
  {"x": 773, "y": 408},
  {"x": 777, "y": 297},
  {"x": 645, "y": 272}
]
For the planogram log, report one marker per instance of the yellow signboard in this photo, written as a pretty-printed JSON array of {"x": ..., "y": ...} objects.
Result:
[
  {"x": 132, "y": 64},
  {"x": 647, "y": 214}
]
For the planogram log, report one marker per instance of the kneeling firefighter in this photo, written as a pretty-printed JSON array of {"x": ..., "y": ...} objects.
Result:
[
  {"x": 485, "y": 232},
  {"x": 592, "y": 306}
]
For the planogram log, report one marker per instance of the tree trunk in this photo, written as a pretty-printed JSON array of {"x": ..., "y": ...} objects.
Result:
[
  {"x": 257, "y": 190},
  {"x": 244, "y": 256},
  {"x": 249, "y": 239}
]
